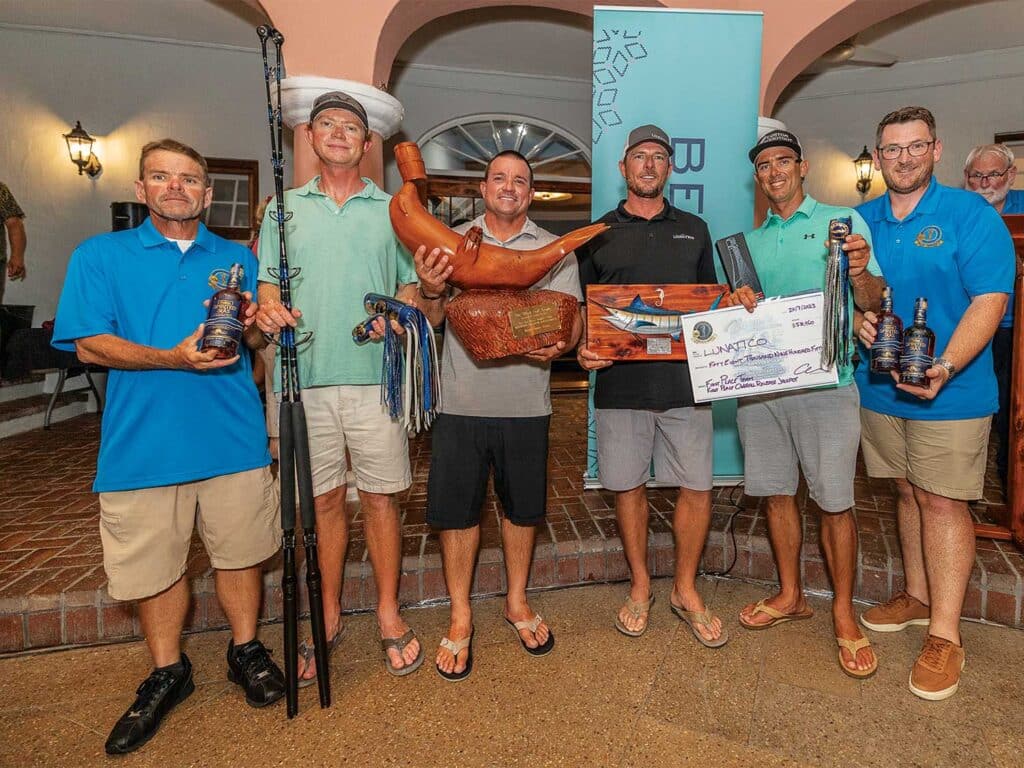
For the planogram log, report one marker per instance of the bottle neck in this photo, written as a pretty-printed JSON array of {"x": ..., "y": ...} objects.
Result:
[
  {"x": 234, "y": 277},
  {"x": 920, "y": 315}
]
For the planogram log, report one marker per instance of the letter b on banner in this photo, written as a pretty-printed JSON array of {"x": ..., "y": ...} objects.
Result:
[{"x": 704, "y": 94}]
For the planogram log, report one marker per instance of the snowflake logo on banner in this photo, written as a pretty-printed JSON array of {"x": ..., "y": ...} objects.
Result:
[{"x": 614, "y": 51}]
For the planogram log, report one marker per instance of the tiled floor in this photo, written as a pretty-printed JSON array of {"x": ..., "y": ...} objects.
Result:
[
  {"x": 52, "y": 583},
  {"x": 774, "y": 698}
]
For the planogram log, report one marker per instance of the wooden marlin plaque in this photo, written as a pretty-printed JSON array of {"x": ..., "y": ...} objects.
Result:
[{"x": 643, "y": 322}]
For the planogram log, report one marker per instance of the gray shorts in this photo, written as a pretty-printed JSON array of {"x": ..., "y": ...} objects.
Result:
[
  {"x": 815, "y": 430},
  {"x": 678, "y": 441}
]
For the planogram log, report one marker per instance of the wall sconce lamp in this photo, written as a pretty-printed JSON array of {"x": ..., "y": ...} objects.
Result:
[
  {"x": 80, "y": 149},
  {"x": 865, "y": 166}
]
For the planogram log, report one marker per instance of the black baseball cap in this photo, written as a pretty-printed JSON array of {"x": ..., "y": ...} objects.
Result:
[
  {"x": 778, "y": 138},
  {"x": 338, "y": 100},
  {"x": 647, "y": 133}
]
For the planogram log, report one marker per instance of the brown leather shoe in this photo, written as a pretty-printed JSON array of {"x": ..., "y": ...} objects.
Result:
[
  {"x": 936, "y": 673},
  {"x": 897, "y": 614}
]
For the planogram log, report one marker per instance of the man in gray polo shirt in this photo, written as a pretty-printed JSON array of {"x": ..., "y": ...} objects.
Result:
[{"x": 494, "y": 413}]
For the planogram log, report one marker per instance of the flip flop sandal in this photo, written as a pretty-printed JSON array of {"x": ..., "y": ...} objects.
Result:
[
  {"x": 637, "y": 609},
  {"x": 455, "y": 648},
  {"x": 399, "y": 644},
  {"x": 308, "y": 653},
  {"x": 531, "y": 626},
  {"x": 777, "y": 617},
  {"x": 703, "y": 618},
  {"x": 853, "y": 646}
]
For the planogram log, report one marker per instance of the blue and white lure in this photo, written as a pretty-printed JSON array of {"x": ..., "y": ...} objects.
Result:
[
  {"x": 410, "y": 380},
  {"x": 835, "y": 342}
]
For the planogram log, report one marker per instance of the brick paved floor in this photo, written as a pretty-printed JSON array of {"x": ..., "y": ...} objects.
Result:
[{"x": 52, "y": 582}]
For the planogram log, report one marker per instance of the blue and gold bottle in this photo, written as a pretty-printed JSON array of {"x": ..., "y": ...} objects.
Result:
[
  {"x": 888, "y": 345},
  {"x": 918, "y": 347},
  {"x": 223, "y": 329}
]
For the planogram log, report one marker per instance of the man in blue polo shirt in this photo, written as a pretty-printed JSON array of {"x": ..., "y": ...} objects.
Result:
[
  {"x": 816, "y": 430},
  {"x": 183, "y": 433},
  {"x": 949, "y": 246},
  {"x": 990, "y": 171}
]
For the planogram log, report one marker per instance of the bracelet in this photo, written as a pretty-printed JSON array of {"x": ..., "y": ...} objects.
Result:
[{"x": 427, "y": 296}]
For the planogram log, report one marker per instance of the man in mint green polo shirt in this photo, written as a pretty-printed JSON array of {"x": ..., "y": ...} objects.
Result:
[
  {"x": 340, "y": 236},
  {"x": 816, "y": 430}
]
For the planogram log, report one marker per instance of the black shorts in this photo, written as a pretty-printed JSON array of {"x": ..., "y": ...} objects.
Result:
[{"x": 463, "y": 449}]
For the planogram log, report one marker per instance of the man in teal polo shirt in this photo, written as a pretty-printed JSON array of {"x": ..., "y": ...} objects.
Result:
[
  {"x": 340, "y": 236},
  {"x": 815, "y": 430},
  {"x": 949, "y": 246},
  {"x": 183, "y": 438}
]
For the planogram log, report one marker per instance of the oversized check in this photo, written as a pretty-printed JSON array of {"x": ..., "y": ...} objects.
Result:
[{"x": 777, "y": 347}]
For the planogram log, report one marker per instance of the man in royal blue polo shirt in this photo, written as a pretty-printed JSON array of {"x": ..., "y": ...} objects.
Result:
[
  {"x": 183, "y": 434},
  {"x": 949, "y": 246},
  {"x": 990, "y": 171}
]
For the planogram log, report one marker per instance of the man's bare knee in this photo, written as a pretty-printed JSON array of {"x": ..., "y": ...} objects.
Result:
[
  {"x": 377, "y": 503},
  {"x": 333, "y": 501},
  {"x": 904, "y": 490}
]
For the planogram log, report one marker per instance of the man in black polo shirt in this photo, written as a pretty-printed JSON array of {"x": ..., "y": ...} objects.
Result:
[{"x": 645, "y": 410}]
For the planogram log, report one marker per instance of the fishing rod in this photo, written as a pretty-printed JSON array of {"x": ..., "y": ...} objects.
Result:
[{"x": 294, "y": 449}]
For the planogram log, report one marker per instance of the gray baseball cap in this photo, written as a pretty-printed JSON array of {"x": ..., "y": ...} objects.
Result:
[
  {"x": 647, "y": 133},
  {"x": 338, "y": 100}
]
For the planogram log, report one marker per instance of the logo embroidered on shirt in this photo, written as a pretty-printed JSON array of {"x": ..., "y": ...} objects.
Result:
[
  {"x": 683, "y": 236},
  {"x": 809, "y": 235},
  {"x": 929, "y": 237}
]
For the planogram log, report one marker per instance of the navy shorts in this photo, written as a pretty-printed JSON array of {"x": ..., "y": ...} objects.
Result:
[{"x": 463, "y": 450}]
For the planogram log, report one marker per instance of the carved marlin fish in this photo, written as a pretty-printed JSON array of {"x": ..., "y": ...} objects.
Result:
[
  {"x": 644, "y": 320},
  {"x": 475, "y": 264}
]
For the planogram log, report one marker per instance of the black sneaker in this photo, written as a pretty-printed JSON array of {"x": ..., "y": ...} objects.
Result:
[
  {"x": 159, "y": 693},
  {"x": 251, "y": 667}
]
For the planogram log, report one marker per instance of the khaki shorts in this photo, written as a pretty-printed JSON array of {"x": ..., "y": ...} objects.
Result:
[
  {"x": 146, "y": 532},
  {"x": 353, "y": 417},
  {"x": 269, "y": 354},
  {"x": 946, "y": 458}
]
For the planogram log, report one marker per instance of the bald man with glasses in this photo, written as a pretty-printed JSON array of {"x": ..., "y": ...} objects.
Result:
[{"x": 990, "y": 171}]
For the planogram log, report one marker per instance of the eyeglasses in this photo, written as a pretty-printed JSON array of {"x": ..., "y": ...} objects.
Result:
[
  {"x": 914, "y": 149},
  {"x": 978, "y": 178}
]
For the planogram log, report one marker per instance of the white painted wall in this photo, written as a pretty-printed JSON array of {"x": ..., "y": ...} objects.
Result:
[
  {"x": 125, "y": 92},
  {"x": 128, "y": 91},
  {"x": 973, "y": 97}
]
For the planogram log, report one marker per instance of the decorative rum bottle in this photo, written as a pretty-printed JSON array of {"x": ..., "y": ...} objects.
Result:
[
  {"x": 223, "y": 329},
  {"x": 885, "y": 352},
  {"x": 918, "y": 347}
]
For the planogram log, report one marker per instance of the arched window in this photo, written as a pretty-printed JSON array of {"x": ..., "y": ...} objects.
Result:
[
  {"x": 464, "y": 145},
  {"x": 457, "y": 151}
]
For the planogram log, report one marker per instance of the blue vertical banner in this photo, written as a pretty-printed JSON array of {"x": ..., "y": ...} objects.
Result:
[{"x": 697, "y": 76}]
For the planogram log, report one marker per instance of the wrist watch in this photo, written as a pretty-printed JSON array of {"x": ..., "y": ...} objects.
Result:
[
  {"x": 427, "y": 296},
  {"x": 943, "y": 362}
]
